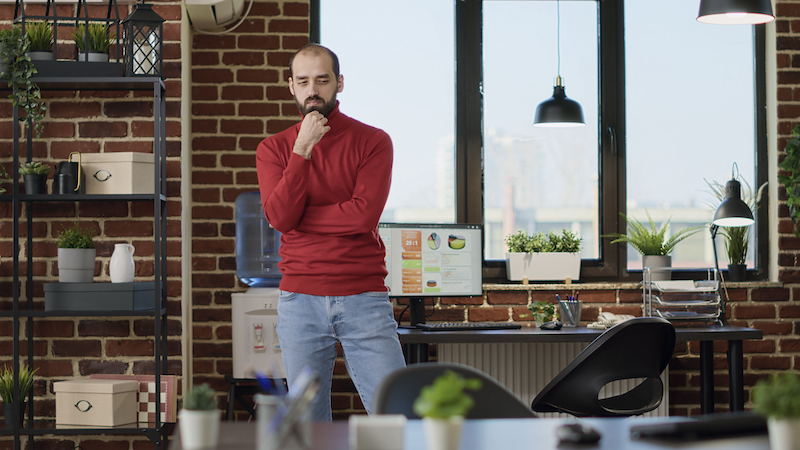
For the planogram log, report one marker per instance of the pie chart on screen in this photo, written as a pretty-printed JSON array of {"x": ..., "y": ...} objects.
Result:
[{"x": 434, "y": 241}]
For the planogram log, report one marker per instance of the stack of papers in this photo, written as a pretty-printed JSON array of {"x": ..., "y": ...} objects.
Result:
[{"x": 681, "y": 286}]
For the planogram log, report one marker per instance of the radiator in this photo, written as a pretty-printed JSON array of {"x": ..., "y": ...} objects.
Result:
[{"x": 526, "y": 368}]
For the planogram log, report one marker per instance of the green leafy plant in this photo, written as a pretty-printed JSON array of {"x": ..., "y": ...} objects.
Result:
[
  {"x": 650, "y": 240},
  {"x": 445, "y": 398},
  {"x": 542, "y": 310},
  {"x": 522, "y": 242},
  {"x": 200, "y": 398},
  {"x": 7, "y": 383},
  {"x": 34, "y": 168},
  {"x": 40, "y": 35},
  {"x": 736, "y": 243},
  {"x": 95, "y": 38},
  {"x": 778, "y": 396},
  {"x": 790, "y": 178},
  {"x": 4, "y": 175},
  {"x": 75, "y": 237},
  {"x": 24, "y": 92}
]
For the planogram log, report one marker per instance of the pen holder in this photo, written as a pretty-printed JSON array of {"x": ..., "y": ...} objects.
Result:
[
  {"x": 266, "y": 407},
  {"x": 574, "y": 313}
]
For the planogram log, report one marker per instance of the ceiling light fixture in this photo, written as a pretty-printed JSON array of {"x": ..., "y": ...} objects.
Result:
[{"x": 735, "y": 12}]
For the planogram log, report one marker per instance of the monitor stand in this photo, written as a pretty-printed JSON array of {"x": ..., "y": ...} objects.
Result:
[{"x": 416, "y": 308}]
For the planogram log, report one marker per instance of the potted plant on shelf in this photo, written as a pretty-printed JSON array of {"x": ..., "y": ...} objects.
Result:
[
  {"x": 40, "y": 35},
  {"x": 442, "y": 406},
  {"x": 35, "y": 176},
  {"x": 16, "y": 67},
  {"x": 93, "y": 42},
  {"x": 652, "y": 243},
  {"x": 7, "y": 391},
  {"x": 541, "y": 256},
  {"x": 199, "y": 418},
  {"x": 76, "y": 255},
  {"x": 778, "y": 398}
]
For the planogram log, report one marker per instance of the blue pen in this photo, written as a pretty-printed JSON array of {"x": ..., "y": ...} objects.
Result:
[{"x": 566, "y": 310}]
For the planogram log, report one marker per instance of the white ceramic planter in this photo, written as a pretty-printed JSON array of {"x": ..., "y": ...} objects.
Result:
[
  {"x": 543, "y": 266},
  {"x": 76, "y": 265},
  {"x": 199, "y": 429},
  {"x": 443, "y": 434},
  {"x": 661, "y": 267},
  {"x": 784, "y": 434}
]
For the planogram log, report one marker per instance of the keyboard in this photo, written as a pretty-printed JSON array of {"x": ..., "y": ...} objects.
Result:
[
  {"x": 459, "y": 326},
  {"x": 703, "y": 427}
]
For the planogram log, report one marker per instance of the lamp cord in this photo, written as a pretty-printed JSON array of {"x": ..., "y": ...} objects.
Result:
[{"x": 558, "y": 35}]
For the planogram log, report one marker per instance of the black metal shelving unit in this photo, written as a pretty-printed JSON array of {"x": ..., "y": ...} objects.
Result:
[{"x": 156, "y": 431}]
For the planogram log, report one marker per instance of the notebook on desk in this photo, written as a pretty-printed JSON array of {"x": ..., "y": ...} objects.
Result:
[{"x": 703, "y": 427}]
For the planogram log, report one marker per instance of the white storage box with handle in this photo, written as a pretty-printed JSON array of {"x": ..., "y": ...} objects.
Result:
[
  {"x": 95, "y": 402},
  {"x": 118, "y": 173}
]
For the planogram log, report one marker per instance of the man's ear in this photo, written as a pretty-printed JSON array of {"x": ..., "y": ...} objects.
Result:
[
  {"x": 291, "y": 86},
  {"x": 341, "y": 84}
]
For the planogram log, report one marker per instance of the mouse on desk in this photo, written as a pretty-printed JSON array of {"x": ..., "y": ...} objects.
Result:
[
  {"x": 552, "y": 325},
  {"x": 577, "y": 433}
]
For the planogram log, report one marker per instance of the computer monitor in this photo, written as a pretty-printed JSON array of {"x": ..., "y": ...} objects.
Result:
[{"x": 433, "y": 260}]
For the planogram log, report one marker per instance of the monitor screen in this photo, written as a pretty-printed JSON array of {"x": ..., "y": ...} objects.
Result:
[{"x": 433, "y": 260}]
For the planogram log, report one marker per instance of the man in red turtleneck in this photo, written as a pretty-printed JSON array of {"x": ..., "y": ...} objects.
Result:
[{"x": 324, "y": 184}]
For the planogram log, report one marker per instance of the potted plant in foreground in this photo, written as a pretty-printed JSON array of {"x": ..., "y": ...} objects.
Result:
[
  {"x": 7, "y": 392},
  {"x": 199, "y": 418},
  {"x": 652, "y": 243},
  {"x": 93, "y": 42},
  {"x": 778, "y": 399},
  {"x": 76, "y": 255},
  {"x": 34, "y": 174},
  {"x": 40, "y": 35},
  {"x": 443, "y": 406},
  {"x": 541, "y": 256}
]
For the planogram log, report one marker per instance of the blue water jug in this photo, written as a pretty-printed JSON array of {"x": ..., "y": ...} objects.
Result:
[{"x": 257, "y": 243}]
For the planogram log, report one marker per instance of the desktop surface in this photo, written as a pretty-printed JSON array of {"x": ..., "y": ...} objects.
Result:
[{"x": 492, "y": 434}]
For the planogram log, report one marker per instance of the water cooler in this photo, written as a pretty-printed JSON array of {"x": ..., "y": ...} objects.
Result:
[{"x": 254, "y": 312}]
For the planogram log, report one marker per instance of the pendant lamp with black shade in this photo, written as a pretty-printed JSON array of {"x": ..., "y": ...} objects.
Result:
[
  {"x": 732, "y": 212},
  {"x": 559, "y": 111},
  {"x": 735, "y": 12}
]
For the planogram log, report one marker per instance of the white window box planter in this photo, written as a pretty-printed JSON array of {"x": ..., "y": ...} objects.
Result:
[{"x": 543, "y": 266}]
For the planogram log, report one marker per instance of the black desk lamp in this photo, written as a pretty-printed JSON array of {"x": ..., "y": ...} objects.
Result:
[{"x": 732, "y": 212}]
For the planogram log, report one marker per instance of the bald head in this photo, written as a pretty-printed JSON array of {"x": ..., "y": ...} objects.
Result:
[{"x": 315, "y": 50}]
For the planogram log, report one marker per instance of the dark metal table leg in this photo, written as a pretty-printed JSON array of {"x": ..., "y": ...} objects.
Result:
[
  {"x": 736, "y": 375},
  {"x": 706, "y": 377}
]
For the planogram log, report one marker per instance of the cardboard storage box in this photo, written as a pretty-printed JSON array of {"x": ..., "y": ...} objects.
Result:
[
  {"x": 118, "y": 173},
  {"x": 96, "y": 403},
  {"x": 136, "y": 296}
]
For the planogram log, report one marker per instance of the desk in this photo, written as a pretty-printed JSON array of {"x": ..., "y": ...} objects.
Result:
[
  {"x": 492, "y": 434},
  {"x": 415, "y": 347}
]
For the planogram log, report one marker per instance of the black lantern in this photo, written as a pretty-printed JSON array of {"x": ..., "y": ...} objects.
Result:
[{"x": 143, "y": 42}]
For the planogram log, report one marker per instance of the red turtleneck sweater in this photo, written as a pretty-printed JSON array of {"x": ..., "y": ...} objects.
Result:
[{"x": 328, "y": 207}]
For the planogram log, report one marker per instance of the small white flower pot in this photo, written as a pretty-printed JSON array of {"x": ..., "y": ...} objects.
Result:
[
  {"x": 784, "y": 434},
  {"x": 443, "y": 434},
  {"x": 199, "y": 429}
]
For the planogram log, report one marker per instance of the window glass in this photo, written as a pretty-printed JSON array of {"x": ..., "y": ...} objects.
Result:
[
  {"x": 397, "y": 59},
  {"x": 539, "y": 179},
  {"x": 690, "y": 116}
]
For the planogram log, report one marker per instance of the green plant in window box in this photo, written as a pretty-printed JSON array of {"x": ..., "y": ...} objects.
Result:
[
  {"x": 790, "y": 178},
  {"x": 543, "y": 256},
  {"x": 16, "y": 67},
  {"x": 95, "y": 38}
]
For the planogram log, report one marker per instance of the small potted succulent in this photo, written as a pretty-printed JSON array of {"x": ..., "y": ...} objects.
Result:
[
  {"x": 34, "y": 174},
  {"x": 7, "y": 391},
  {"x": 40, "y": 35},
  {"x": 778, "y": 399},
  {"x": 93, "y": 42},
  {"x": 443, "y": 406},
  {"x": 76, "y": 255},
  {"x": 541, "y": 256},
  {"x": 199, "y": 418}
]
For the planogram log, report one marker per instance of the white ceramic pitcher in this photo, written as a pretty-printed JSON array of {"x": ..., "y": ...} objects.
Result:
[{"x": 121, "y": 268}]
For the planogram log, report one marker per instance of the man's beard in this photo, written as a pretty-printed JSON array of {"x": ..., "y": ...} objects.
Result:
[{"x": 325, "y": 108}]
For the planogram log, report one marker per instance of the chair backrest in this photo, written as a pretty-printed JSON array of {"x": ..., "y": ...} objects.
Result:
[
  {"x": 636, "y": 348},
  {"x": 397, "y": 392}
]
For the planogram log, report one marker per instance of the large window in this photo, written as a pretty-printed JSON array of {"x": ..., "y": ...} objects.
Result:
[{"x": 670, "y": 105}]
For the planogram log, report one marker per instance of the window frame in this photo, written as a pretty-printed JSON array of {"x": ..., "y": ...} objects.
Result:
[{"x": 611, "y": 264}]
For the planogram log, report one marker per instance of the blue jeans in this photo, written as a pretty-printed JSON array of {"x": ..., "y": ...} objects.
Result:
[{"x": 309, "y": 326}]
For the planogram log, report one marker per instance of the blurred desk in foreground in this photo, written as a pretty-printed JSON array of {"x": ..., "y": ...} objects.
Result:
[
  {"x": 415, "y": 347},
  {"x": 518, "y": 434}
]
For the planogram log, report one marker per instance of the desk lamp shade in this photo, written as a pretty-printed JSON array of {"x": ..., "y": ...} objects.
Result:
[
  {"x": 559, "y": 111},
  {"x": 143, "y": 42},
  {"x": 733, "y": 212},
  {"x": 735, "y": 12}
]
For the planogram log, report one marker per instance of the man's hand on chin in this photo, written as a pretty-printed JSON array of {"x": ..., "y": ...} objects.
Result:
[{"x": 312, "y": 129}]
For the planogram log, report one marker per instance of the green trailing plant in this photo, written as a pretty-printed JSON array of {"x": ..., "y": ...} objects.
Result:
[
  {"x": 778, "y": 396},
  {"x": 19, "y": 72},
  {"x": 649, "y": 239},
  {"x": 40, "y": 35},
  {"x": 200, "y": 398},
  {"x": 522, "y": 242},
  {"x": 446, "y": 397},
  {"x": 542, "y": 310},
  {"x": 75, "y": 237},
  {"x": 790, "y": 177},
  {"x": 3, "y": 175},
  {"x": 95, "y": 38},
  {"x": 7, "y": 383},
  {"x": 34, "y": 168}
]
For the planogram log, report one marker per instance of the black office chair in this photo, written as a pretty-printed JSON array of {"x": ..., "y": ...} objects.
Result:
[
  {"x": 636, "y": 348},
  {"x": 397, "y": 392}
]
